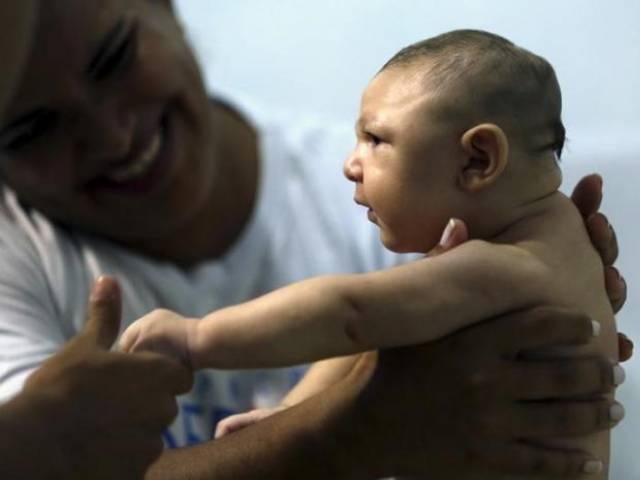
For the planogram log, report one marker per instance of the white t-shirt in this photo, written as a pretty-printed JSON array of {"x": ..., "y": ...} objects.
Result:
[{"x": 305, "y": 224}]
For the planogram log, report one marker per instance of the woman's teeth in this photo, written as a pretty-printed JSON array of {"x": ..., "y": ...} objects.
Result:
[{"x": 140, "y": 166}]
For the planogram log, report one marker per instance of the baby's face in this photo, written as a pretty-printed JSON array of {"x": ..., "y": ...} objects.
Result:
[{"x": 404, "y": 163}]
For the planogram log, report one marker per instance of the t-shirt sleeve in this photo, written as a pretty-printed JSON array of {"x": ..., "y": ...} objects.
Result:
[{"x": 29, "y": 332}]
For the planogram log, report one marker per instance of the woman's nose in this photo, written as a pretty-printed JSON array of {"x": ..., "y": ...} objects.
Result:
[
  {"x": 109, "y": 132},
  {"x": 352, "y": 167}
]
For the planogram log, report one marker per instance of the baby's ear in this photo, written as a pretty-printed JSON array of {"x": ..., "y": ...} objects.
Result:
[{"x": 486, "y": 150}]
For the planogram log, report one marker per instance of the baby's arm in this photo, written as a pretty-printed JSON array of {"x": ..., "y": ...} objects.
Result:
[
  {"x": 340, "y": 315},
  {"x": 320, "y": 376}
]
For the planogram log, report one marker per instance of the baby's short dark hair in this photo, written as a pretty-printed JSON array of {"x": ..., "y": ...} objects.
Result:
[{"x": 493, "y": 80}]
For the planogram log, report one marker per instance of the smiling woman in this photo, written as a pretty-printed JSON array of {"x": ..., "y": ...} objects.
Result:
[
  {"x": 112, "y": 125},
  {"x": 61, "y": 387}
]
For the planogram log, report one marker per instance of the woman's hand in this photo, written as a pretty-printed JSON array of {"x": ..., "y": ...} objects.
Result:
[
  {"x": 99, "y": 414},
  {"x": 587, "y": 196},
  {"x": 470, "y": 402}
]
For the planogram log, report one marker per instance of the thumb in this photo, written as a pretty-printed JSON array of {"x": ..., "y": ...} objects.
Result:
[
  {"x": 105, "y": 311},
  {"x": 454, "y": 234}
]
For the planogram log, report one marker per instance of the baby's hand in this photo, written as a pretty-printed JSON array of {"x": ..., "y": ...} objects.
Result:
[
  {"x": 238, "y": 422},
  {"x": 161, "y": 331}
]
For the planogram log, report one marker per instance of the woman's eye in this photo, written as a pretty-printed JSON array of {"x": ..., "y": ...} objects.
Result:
[
  {"x": 119, "y": 57},
  {"x": 38, "y": 128}
]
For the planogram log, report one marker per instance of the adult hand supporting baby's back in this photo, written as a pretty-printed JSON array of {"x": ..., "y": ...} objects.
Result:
[
  {"x": 587, "y": 196},
  {"x": 471, "y": 403}
]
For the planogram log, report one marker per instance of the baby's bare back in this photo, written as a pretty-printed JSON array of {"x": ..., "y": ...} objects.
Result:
[{"x": 575, "y": 280}]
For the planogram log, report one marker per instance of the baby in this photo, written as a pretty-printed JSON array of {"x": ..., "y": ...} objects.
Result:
[{"x": 464, "y": 125}]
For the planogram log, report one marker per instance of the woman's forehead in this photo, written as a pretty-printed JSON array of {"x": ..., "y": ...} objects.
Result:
[
  {"x": 67, "y": 34},
  {"x": 71, "y": 25}
]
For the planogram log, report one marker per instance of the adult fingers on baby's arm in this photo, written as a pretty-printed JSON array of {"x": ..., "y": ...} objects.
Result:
[
  {"x": 522, "y": 458},
  {"x": 541, "y": 327}
]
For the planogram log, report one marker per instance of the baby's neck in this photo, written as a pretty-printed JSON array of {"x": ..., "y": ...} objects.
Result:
[
  {"x": 526, "y": 219},
  {"x": 528, "y": 194}
]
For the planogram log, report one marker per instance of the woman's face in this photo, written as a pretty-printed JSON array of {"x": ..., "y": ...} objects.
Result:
[
  {"x": 16, "y": 21},
  {"x": 110, "y": 130}
]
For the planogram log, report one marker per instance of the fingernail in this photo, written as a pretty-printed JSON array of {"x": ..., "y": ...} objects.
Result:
[
  {"x": 629, "y": 341},
  {"x": 616, "y": 412},
  {"x": 592, "y": 466},
  {"x": 598, "y": 177},
  {"x": 99, "y": 291},
  {"x": 617, "y": 272},
  {"x": 596, "y": 328},
  {"x": 448, "y": 231},
  {"x": 619, "y": 375}
]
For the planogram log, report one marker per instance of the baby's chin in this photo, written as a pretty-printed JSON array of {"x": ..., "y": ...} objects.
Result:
[{"x": 397, "y": 246}]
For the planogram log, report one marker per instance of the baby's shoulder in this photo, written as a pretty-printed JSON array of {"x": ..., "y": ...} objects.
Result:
[{"x": 559, "y": 241}]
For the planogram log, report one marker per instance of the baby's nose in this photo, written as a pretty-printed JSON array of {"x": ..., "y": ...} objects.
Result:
[{"x": 352, "y": 168}]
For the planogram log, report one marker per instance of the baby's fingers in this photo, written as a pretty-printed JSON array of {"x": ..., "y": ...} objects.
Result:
[
  {"x": 129, "y": 339},
  {"x": 237, "y": 422}
]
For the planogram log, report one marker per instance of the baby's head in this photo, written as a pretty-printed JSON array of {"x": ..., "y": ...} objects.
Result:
[{"x": 465, "y": 125}]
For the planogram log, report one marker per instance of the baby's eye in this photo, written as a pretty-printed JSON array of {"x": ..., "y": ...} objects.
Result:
[{"x": 374, "y": 139}]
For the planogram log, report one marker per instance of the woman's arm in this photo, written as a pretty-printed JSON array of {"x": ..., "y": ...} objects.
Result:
[{"x": 76, "y": 413}]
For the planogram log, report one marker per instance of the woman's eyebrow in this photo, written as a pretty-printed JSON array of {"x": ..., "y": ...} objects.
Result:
[{"x": 105, "y": 45}]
